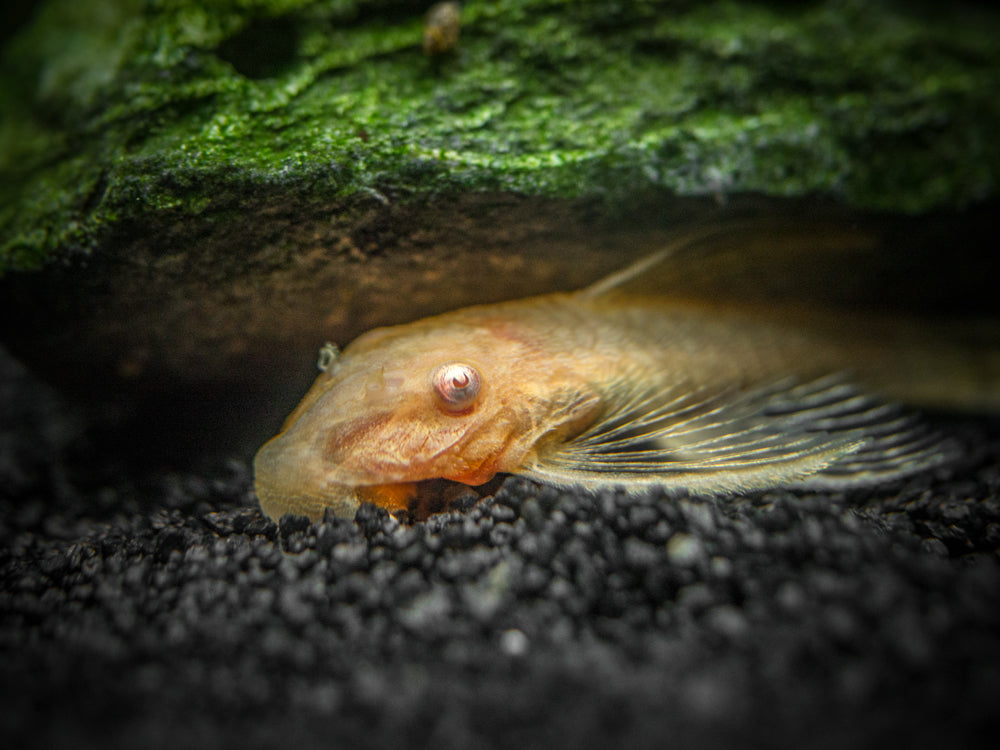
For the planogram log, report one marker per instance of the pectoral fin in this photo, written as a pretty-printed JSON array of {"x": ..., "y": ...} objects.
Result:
[{"x": 819, "y": 433}]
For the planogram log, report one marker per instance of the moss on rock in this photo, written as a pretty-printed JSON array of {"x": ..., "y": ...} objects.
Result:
[{"x": 116, "y": 109}]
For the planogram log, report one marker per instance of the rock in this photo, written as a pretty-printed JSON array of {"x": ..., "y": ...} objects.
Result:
[{"x": 178, "y": 110}]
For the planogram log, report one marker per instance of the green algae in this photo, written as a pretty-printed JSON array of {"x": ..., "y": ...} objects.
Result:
[{"x": 117, "y": 110}]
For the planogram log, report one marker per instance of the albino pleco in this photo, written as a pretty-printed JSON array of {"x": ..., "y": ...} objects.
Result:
[{"x": 602, "y": 388}]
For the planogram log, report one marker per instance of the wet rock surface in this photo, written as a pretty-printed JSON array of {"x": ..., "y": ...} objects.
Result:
[
  {"x": 116, "y": 111},
  {"x": 154, "y": 608}
]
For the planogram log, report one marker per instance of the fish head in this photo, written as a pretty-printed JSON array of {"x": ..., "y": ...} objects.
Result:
[{"x": 436, "y": 399}]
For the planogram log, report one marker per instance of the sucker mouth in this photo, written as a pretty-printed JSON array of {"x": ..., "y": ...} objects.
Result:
[
  {"x": 436, "y": 495},
  {"x": 415, "y": 501}
]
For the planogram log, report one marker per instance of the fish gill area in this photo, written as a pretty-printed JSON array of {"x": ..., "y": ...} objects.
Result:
[{"x": 194, "y": 197}]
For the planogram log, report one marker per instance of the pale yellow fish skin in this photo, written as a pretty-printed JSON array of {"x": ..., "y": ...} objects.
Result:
[{"x": 372, "y": 425}]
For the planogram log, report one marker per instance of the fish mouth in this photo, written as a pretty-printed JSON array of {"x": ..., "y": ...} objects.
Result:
[
  {"x": 287, "y": 483},
  {"x": 414, "y": 501},
  {"x": 429, "y": 496}
]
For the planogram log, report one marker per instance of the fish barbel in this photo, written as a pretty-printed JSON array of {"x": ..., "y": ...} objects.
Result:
[{"x": 601, "y": 388}]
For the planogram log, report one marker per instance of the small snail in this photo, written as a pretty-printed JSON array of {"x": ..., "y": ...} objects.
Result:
[{"x": 441, "y": 28}]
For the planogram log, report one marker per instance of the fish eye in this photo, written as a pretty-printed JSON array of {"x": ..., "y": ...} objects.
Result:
[{"x": 457, "y": 385}]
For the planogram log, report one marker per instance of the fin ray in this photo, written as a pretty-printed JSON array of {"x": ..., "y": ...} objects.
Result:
[{"x": 823, "y": 433}]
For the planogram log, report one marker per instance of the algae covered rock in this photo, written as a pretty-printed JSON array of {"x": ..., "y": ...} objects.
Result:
[{"x": 124, "y": 110}]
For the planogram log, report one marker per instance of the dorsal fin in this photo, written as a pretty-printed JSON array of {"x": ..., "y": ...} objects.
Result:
[
  {"x": 618, "y": 278},
  {"x": 638, "y": 268},
  {"x": 764, "y": 258}
]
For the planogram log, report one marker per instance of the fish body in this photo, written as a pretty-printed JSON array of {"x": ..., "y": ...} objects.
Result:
[{"x": 599, "y": 388}]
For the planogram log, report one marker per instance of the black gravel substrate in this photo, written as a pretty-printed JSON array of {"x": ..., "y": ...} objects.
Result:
[{"x": 156, "y": 610}]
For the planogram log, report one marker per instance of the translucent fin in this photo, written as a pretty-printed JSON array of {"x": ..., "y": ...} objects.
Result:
[
  {"x": 752, "y": 258},
  {"x": 823, "y": 433},
  {"x": 641, "y": 266}
]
